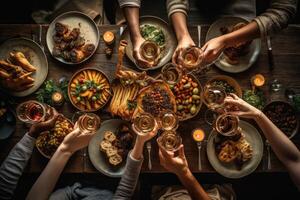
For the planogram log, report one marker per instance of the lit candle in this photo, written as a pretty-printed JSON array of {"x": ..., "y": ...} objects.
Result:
[
  {"x": 108, "y": 37},
  {"x": 57, "y": 98},
  {"x": 258, "y": 80},
  {"x": 198, "y": 135}
]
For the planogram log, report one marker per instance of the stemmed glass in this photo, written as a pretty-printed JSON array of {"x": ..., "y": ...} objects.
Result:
[
  {"x": 213, "y": 97},
  {"x": 31, "y": 112},
  {"x": 144, "y": 123},
  {"x": 169, "y": 141},
  {"x": 89, "y": 122}
]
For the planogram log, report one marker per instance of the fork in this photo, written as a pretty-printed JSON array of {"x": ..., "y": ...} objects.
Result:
[
  {"x": 268, "y": 155},
  {"x": 40, "y": 36},
  {"x": 199, "y": 145},
  {"x": 149, "y": 155}
]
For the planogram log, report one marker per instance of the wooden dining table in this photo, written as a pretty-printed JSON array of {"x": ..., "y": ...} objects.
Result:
[{"x": 286, "y": 51}]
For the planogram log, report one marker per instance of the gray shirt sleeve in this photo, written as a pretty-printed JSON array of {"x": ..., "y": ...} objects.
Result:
[
  {"x": 129, "y": 3},
  {"x": 174, "y": 6},
  {"x": 12, "y": 167},
  {"x": 276, "y": 17},
  {"x": 129, "y": 179}
]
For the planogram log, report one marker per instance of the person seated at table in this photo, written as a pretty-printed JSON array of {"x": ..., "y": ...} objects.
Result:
[
  {"x": 13, "y": 166},
  {"x": 177, "y": 12},
  {"x": 274, "y": 19},
  {"x": 179, "y": 166},
  {"x": 282, "y": 146},
  {"x": 74, "y": 141}
]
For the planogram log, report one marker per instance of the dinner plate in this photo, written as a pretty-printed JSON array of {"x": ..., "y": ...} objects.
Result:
[
  {"x": 170, "y": 46},
  {"x": 245, "y": 62},
  {"x": 230, "y": 170},
  {"x": 35, "y": 55},
  {"x": 98, "y": 158},
  {"x": 74, "y": 19}
]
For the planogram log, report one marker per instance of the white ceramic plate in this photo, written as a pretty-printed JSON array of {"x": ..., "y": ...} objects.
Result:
[
  {"x": 35, "y": 56},
  {"x": 98, "y": 158},
  {"x": 245, "y": 62},
  {"x": 230, "y": 170},
  {"x": 88, "y": 30}
]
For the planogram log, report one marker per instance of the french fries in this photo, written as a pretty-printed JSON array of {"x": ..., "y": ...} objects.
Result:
[
  {"x": 123, "y": 97},
  {"x": 89, "y": 90}
]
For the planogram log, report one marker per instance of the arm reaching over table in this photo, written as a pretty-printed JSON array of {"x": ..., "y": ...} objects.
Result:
[
  {"x": 282, "y": 146},
  {"x": 13, "y": 166},
  {"x": 133, "y": 167},
  {"x": 270, "y": 22},
  {"x": 131, "y": 10},
  {"x": 46, "y": 182},
  {"x": 179, "y": 166}
]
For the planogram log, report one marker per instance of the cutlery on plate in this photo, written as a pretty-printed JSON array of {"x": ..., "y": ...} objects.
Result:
[{"x": 149, "y": 155}]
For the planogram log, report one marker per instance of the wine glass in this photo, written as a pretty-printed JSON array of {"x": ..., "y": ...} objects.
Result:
[
  {"x": 171, "y": 73},
  {"x": 89, "y": 122},
  {"x": 169, "y": 141},
  {"x": 191, "y": 58},
  {"x": 213, "y": 97},
  {"x": 169, "y": 120},
  {"x": 144, "y": 123},
  {"x": 227, "y": 124},
  {"x": 31, "y": 112}
]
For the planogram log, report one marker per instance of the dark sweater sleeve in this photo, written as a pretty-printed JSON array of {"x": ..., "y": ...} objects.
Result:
[
  {"x": 13, "y": 166},
  {"x": 129, "y": 179}
]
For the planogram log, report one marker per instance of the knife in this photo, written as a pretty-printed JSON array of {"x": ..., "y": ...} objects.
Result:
[{"x": 270, "y": 54}]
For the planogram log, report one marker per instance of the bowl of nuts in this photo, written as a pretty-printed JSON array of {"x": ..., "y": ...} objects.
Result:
[
  {"x": 283, "y": 115},
  {"x": 187, "y": 93}
]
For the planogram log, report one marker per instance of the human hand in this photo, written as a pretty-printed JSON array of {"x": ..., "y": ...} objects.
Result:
[
  {"x": 42, "y": 126},
  {"x": 183, "y": 43},
  {"x": 177, "y": 165},
  {"x": 213, "y": 48},
  {"x": 76, "y": 140},
  {"x": 244, "y": 109},
  {"x": 137, "y": 43}
]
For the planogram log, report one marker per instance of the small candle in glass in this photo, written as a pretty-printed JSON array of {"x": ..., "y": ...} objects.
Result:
[
  {"x": 57, "y": 99},
  {"x": 258, "y": 80},
  {"x": 198, "y": 135}
]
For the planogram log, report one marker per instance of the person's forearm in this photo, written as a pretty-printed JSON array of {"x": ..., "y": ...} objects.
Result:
[
  {"x": 137, "y": 150},
  {"x": 12, "y": 167},
  {"x": 248, "y": 32},
  {"x": 45, "y": 184},
  {"x": 132, "y": 18},
  {"x": 285, "y": 150},
  {"x": 180, "y": 25},
  {"x": 193, "y": 187}
]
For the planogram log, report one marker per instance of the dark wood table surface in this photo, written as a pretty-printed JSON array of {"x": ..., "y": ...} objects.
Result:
[{"x": 286, "y": 50}]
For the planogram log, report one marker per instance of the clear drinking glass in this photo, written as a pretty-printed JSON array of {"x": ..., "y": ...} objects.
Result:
[
  {"x": 144, "y": 123},
  {"x": 169, "y": 120},
  {"x": 227, "y": 124},
  {"x": 191, "y": 58},
  {"x": 171, "y": 73},
  {"x": 31, "y": 112},
  {"x": 170, "y": 141},
  {"x": 89, "y": 122}
]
